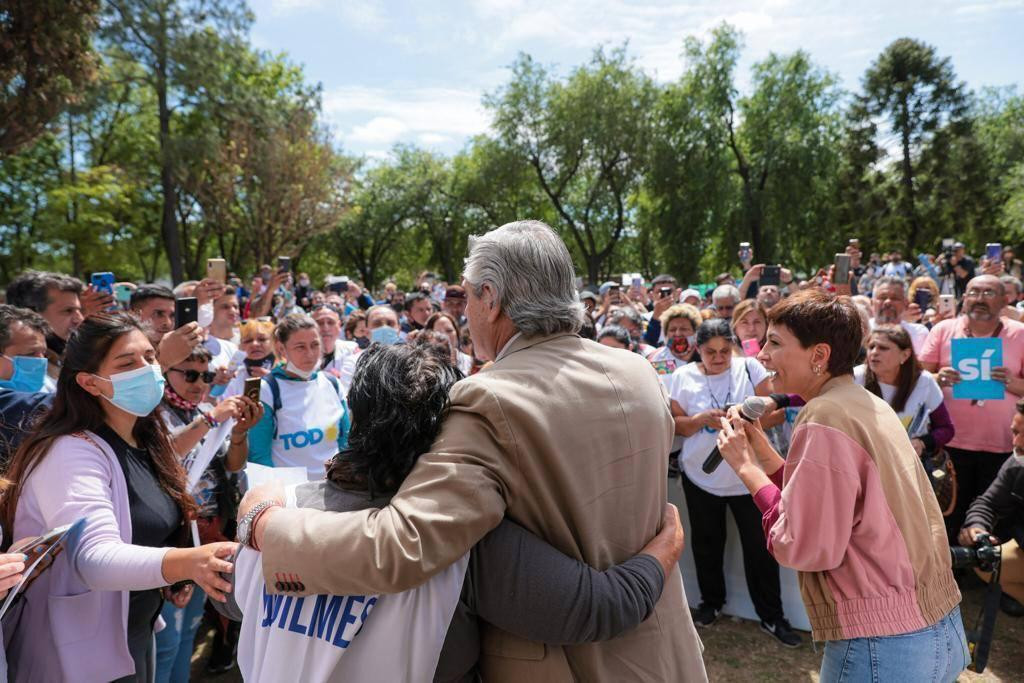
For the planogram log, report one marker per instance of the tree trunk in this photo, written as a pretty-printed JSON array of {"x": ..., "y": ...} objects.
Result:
[
  {"x": 168, "y": 223},
  {"x": 909, "y": 208}
]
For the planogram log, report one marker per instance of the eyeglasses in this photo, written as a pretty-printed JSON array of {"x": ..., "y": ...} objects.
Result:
[
  {"x": 192, "y": 375},
  {"x": 982, "y": 293}
]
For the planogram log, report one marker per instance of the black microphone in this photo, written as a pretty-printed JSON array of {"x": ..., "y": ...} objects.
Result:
[{"x": 752, "y": 408}]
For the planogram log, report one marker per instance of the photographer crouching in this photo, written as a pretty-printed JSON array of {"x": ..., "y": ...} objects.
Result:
[
  {"x": 1001, "y": 507},
  {"x": 1000, "y": 510}
]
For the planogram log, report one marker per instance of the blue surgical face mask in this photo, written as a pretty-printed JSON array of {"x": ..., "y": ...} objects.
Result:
[
  {"x": 137, "y": 391},
  {"x": 384, "y": 335},
  {"x": 29, "y": 373}
]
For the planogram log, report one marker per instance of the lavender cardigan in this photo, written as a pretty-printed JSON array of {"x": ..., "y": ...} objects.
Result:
[{"x": 78, "y": 609}]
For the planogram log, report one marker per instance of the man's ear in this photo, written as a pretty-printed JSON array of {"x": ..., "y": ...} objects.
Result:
[{"x": 493, "y": 309}]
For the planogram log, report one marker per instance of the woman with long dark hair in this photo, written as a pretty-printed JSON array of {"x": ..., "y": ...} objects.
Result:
[
  {"x": 103, "y": 453},
  {"x": 893, "y": 373}
]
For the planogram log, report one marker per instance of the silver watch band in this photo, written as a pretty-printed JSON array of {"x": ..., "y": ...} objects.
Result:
[{"x": 246, "y": 526}]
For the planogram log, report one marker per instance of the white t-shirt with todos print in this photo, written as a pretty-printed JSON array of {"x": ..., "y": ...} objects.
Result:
[
  {"x": 307, "y": 423},
  {"x": 696, "y": 392},
  {"x": 926, "y": 396}
]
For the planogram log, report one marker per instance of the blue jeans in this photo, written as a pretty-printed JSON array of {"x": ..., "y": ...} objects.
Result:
[
  {"x": 937, "y": 653},
  {"x": 174, "y": 642}
]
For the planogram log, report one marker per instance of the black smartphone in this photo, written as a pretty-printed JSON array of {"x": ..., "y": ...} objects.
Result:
[
  {"x": 252, "y": 389},
  {"x": 186, "y": 310},
  {"x": 665, "y": 291},
  {"x": 284, "y": 263},
  {"x": 923, "y": 299},
  {"x": 770, "y": 275}
]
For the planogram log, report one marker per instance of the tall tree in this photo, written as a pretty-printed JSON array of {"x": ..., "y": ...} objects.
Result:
[
  {"x": 587, "y": 140},
  {"x": 924, "y": 110},
  {"x": 156, "y": 34},
  {"x": 46, "y": 58}
]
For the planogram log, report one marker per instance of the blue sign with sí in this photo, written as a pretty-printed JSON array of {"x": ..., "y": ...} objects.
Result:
[{"x": 974, "y": 359}]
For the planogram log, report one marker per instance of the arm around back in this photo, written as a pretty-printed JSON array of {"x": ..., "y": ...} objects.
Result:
[
  {"x": 527, "y": 587},
  {"x": 454, "y": 495}
]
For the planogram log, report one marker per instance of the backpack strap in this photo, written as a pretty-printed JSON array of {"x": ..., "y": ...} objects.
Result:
[
  {"x": 334, "y": 382},
  {"x": 275, "y": 397}
]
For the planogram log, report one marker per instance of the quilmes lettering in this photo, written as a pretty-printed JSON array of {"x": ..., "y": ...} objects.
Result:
[
  {"x": 335, "y": 619},
  {"x": 976, "y": 368}
]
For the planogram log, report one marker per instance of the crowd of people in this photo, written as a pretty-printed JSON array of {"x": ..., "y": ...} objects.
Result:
[{"x": 506, "y": 435}]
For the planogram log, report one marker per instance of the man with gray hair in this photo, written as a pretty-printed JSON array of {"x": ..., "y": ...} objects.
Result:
[
  {"x": 565, "y": 436},
  {"x": 724, "y": 299},
  {"x": 889, "y": 303}
]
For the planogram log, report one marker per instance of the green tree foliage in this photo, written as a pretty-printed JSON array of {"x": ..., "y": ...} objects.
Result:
[
  {"x": 587, "y": 141},
  {"x": 931, "y": 172},
  {"x": 187, "y": 143},
  {"x": 46, "y": 58}
]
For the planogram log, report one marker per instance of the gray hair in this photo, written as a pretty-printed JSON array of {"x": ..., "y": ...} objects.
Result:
[
  {"x": 726, "y": 292},
  {"x": 890, "y": 281},
  {"x": 531, "y": 273},
  {"x": 617, "y": 314},
  {"x": 1010, "y": 280}
]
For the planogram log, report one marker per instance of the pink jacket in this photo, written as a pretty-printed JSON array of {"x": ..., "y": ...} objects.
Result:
[
  {"x": 74, "y": 623},
  {"x": 857, "y": 518}
]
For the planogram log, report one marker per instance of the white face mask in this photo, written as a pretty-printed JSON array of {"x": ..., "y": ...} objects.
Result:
[{"x": 295, "y": 370}]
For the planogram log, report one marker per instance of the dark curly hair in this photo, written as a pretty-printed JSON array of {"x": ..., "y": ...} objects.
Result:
[{"x": 398, "y": 399}]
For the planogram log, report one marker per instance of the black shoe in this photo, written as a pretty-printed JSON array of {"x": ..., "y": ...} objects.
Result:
[
  {"x": 222, "y": 655},
  {"x": 705, "y": 615},
  {"x": 1010, "y": 606},
  {"x": 782, "y": 632}
]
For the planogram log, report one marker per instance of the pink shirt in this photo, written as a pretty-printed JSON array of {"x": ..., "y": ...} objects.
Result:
[{"x": 984, "y": 426}]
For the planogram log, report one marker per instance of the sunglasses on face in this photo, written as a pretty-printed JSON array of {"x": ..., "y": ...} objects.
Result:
[{"x": 192, "y": 375}]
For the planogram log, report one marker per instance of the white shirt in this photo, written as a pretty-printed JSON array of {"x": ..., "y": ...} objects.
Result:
[
  {"x": 307, "y": 423},
  {"x": 223, "y": 352},
  {"x": 925, "y": 397},
  {"x": 342, "y": 638},
  {"x": 344, "y": 362},
  {"x": 696, "y": 392}
]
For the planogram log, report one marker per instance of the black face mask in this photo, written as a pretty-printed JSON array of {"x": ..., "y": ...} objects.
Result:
[
  {"x": 56, "y": 344},
  {"x": 362, "y": 342},
  {"x": 266, "y": 362},
  {"x": 398, "y": 308}
]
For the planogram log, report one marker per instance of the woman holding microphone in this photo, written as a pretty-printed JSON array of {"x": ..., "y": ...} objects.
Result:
[{"x": 850, "y": 508}]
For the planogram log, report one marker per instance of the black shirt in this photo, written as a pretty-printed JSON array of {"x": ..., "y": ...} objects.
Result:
[{"x": 156, "y": 521}]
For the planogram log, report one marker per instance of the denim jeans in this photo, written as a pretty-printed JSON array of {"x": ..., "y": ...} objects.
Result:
[
  {"x": 937, "y": 653},
  {"x": 174, "y": 642}
]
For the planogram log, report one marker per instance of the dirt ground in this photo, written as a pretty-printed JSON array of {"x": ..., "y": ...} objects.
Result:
[{"x": 737, "y": 650}]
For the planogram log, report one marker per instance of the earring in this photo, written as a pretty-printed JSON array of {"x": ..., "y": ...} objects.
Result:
[{"x": 816, "y": 369}]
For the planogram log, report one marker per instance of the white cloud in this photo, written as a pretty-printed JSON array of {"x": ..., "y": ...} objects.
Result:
[
  {"x": 433, "y": 138},
  {"x": 431, "y": 115},
  {"x": 381, "y": 129},
  {"x": 281, "y": 7}
]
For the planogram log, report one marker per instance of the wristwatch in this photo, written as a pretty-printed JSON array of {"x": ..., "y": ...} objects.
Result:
[{"x": 248, "y": 522}]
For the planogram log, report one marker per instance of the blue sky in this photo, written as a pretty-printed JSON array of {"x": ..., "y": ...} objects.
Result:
[{"x": 414, "y": 72}]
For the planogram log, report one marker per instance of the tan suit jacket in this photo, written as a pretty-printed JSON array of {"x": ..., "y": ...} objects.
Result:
[{"x": 567, "y": 437}]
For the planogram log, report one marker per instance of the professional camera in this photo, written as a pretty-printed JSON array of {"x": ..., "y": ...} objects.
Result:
[{"x": 984, "y": 554}]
